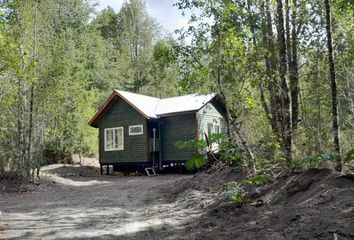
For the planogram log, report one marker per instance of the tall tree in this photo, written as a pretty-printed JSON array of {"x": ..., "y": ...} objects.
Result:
[
  {"x": 332, "y": 77},
  {"x": 285, "y": 99},
  {"x": 136, "y": 31}
]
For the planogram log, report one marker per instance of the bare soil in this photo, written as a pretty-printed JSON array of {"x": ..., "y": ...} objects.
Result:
[{"x": 74, "y": 202}]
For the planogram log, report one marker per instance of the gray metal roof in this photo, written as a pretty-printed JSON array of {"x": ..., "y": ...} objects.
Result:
[{"x": 155, "y": 107}]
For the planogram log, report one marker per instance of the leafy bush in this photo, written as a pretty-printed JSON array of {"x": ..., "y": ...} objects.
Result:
[
  {"x": 258, "y": 180},
  {"x": 235, "y": 192},
  {"x": 54, "y": 153},
  {"x": 205, "y": 147},
  {"x": 195, "y": 162},
  {"x": 313, "y": 161},
  {"x": 226, "y": 151},
  {"x": 231, "y": 153},
  {"x": 235, "y": 195},
  {"x": 349, "y": 157}
]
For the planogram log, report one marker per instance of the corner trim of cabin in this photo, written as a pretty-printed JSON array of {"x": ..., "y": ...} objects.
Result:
[
  {"x": 196, "y": 130},
  {"x": 146, "y": 140}
]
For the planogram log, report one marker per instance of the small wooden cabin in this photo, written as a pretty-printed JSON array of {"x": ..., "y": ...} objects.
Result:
[{"x": 141, "y": 131}]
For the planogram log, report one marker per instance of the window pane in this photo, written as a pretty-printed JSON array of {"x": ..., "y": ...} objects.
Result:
[
  {"x": 116, "y": 138},
  {"x": 119, "y": 138},
  {"x": 109, "y": 139},
  {"x": 210, "y": 129},
  {"x": 135, "y": 130},
  {"x": 217, "y": 129}
]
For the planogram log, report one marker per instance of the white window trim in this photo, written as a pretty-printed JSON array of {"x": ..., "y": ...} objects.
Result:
[
  {"x": 105, "y": 138},
  {"x": 214, "y": 145},
  {"x": 139, "y": 133},
  {"x": 214, "y": 127}
]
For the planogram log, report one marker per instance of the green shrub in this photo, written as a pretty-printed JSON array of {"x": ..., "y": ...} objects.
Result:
[
  {"x": 231, "y": 154},
  {"x": 257, "y": 180},
  {"x": 313, "y": 161},
  {"x": 235, "y": 195},
  {"x": 206, "y": 150},
  {"x": 195, "y": 162},
  {"x": 235, "y": 192},
  {"x": 349, "y": 157},
  {"x": 54, "y": 153}
]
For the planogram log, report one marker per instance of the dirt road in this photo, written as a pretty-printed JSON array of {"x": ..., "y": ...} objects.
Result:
[
  {"x": 97, "y": 207},
  {"x": 76, "y": 203}
]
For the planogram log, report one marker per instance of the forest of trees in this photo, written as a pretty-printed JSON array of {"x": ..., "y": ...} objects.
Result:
[{"x": 285, "y": 68}]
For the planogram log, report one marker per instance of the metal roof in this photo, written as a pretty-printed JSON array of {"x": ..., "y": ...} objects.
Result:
[
  {"x": 151, "y": 107},
  {"x": 155, "y": 107},
  {"x": 146, "y": 104}
]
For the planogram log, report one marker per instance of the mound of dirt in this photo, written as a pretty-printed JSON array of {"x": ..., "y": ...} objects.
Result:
[
  {"x": 73, "y": 170},
  {"x": 17, "y": 186},
  {"x": 315, "y": 204},
  {"x": 205, "y": 182}
]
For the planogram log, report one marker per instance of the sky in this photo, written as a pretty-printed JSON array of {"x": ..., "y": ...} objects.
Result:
[{"x": 163, "y": 11}]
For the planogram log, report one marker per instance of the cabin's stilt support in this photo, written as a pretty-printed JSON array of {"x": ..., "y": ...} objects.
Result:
[
  {"x": 107, "y": 166},
  {"x": 101, "y": 169}
]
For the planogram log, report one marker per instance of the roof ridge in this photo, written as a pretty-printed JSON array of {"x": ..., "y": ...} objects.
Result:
[
  {"x": 137, "y": 94},
  {"x": 190, "y": 94}
]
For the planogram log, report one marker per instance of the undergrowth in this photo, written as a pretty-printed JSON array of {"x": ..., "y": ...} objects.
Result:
[{"x": 235, "y": 191}]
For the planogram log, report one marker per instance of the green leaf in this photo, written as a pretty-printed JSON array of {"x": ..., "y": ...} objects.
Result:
[{"x": 196, "y": 162}]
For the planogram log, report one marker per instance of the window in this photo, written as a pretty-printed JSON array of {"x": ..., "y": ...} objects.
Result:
[
  {"x": 213, "y": 128},
  {"x": 210, "y": 129},
  {"x": 113, "y": 139},
  {"x": 136, "y": 130}
]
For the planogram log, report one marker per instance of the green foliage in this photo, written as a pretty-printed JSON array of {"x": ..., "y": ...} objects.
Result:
[
  {"x": 236, "y": 195},
  {"x": 231, "y": 153},
  {"x": 235, "y": 192},
  {"x": 349, "y": 157},
  {"x": 229, "y": 52},
  {"x": 195, "y": 162},
  {"x": 314, "y": 161},
  {"x": 58, "y": 61},
  {"x": 204, "y": 147},
  {"x": 202, "y": 144},
  {"x": 257, "y": 180}
]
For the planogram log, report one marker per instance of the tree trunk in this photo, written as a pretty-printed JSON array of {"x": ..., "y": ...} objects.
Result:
[
  {"x": 271, "y": 65},
  {"x": 287, "y": 31},
  {"x": 285, "y": 100},
  {"x": 293, "y": 68},
  {"x": 332, "y": 76}
]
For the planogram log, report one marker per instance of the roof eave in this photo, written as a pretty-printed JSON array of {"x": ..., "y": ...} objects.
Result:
[
  {"x": 93, "y": 122},
  {"x": 177, "y": 113},
  {"x": 216, "y": 95}
]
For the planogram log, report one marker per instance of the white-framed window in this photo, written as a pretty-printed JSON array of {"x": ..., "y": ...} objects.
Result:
[
  {"x": 213, "y": 128},
  {"x": 114, "y": 139},
  {"x": 136, "y": 130}
]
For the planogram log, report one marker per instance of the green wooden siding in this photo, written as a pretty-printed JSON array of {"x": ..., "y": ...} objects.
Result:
[
  {"x": 121, "y": 114},
  {"x": 212, "y": 112},
  {"x": 177, "y": 128}
]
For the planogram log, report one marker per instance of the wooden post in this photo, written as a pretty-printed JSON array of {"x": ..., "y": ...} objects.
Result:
[
  {"x": 101, "y": 169},
  {"x": 107, "y": 166}
]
